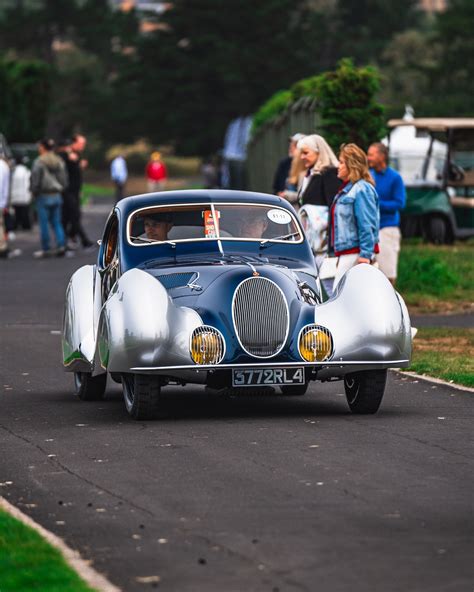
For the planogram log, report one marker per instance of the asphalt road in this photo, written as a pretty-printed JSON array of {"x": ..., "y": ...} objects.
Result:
[
  {"x": 458, "y": 321},
  {"x": 240, "y": 495}
]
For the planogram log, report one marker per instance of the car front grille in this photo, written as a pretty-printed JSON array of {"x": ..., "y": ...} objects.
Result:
[{"x": 261, "y": 317}]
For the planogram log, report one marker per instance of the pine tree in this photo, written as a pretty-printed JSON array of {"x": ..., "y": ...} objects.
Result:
[{"x": 216, "y": 61}]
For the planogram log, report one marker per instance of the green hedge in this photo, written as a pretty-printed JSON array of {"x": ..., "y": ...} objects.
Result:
[{"x": 346, "y": 101}]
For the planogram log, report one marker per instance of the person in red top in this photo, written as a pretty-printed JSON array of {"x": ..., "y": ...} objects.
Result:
[{"x": 156, "y": 173}]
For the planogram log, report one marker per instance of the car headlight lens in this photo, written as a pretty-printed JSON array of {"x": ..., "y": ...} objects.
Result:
[
  {"x": 315, "y": 343},
  {"x": 207, "y": 345}
]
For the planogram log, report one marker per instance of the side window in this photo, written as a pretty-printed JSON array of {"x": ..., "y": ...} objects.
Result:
[{"x": 111, "y": 239}]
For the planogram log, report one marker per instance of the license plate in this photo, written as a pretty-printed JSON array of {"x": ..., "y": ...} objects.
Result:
[{"x": 267, "y": 376}]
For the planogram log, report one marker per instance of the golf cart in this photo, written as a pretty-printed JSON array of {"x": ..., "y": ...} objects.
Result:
[{"x": 435, "y": 157}]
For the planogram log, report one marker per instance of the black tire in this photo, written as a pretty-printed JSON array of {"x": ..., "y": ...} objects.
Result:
[
  {"x": 294, "y": 390},
  {"x": 365, "y": 390},
  {"x": 141, "y": 394},
  {"x": 88, "y": 387},
  {"x": 437, "y": 230}
]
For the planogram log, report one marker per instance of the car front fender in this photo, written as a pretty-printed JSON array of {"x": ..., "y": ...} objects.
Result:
[
  {"x": 141, "y": 326},
  {"x": 368, "y": 321}
]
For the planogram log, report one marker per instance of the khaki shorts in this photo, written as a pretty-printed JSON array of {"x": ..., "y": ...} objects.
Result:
[{"x": 389, "y": 245}]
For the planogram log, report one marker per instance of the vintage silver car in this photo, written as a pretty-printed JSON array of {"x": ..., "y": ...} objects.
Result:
[{"x": 220, "y": 288}]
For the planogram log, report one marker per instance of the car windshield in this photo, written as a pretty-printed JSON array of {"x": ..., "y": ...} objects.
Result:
[{"x": 207, "y": 221}]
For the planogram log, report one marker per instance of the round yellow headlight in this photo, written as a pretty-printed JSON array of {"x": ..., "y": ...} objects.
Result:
[
  {"x": 207, "y": 345},
  {"x": 315, "y": 343}
]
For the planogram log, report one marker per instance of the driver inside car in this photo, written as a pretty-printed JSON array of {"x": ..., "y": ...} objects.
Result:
[
  {"x": 157, "y": 226},
  {"x": 253, "y": 226}
]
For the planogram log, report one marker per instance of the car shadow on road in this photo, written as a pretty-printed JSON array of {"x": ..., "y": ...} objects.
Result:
[{"x": 194, "y": 403}]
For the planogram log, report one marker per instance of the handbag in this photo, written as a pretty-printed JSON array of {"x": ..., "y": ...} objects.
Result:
[{"x": 314, "y": 220}]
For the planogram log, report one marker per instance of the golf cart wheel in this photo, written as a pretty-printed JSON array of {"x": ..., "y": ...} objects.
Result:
[{"x": 437, "y": 230}]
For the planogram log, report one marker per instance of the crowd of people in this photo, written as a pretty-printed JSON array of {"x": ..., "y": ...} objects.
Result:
[
  {"x": 51, "y": 192},
  {"x": 349, "y": 205},
  {"x": 54, "y": 186}
]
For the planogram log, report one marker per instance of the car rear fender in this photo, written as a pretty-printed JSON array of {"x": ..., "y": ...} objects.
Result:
[{"x": 78, "y": 340}]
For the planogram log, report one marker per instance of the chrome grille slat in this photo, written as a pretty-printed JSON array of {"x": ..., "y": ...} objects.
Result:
[{"x": 261, "y": 317}]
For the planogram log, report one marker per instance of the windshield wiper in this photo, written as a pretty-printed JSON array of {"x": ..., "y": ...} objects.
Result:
[
  {"x": 151, "y": 240},
  {"x": 282, "y": 237},
  {"x": 143, "y": 239}
]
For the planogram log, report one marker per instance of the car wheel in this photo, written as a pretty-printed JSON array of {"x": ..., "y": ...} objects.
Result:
[
  {"x": 437, "y": 230},
  {"x": 141, "y": 394},
  {"x": 294, "y": 390},
  {"x": 88, "y": 387},
  {"x": 364, "y": 390}
]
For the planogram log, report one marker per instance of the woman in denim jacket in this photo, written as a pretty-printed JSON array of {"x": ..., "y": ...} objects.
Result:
[{"x": 354, "y": 214}]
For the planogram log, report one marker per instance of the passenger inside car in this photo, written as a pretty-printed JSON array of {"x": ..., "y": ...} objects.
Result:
[{"x": 253, "y": 226}]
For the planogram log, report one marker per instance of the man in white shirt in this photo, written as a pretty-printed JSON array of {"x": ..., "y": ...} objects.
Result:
[{"x": 119, "y": 175}]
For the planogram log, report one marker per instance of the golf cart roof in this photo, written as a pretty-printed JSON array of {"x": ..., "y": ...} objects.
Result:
[{"x": 435, "y": 124}]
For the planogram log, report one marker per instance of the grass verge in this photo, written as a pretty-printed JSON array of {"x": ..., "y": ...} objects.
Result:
[
  {"x": 445, "y": 353},
  {"x": 28, "y": 562},
  {"x": 437, "y": 279},
  {"x": 92, "y": 190}
]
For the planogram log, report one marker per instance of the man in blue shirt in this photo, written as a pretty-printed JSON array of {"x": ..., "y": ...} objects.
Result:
[
  {"x": 392, "y": 197},
  {"x": 119, "y": 175}
]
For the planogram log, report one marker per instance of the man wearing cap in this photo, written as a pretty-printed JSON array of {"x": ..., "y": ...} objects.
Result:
[
  {"x": 283, "y": 169},
  {"x": 157, "y": 226}
]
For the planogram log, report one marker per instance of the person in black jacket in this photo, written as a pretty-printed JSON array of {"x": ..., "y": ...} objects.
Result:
[
  {"x": 320, "y": 183},
  {"x": 70, "y": 152},
  {"x": 283, "y": 169}
]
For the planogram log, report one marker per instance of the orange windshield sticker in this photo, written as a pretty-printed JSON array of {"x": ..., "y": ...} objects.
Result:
[{"x": 211, "y": 226}]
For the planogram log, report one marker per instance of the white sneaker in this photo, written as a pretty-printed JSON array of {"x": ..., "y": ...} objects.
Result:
[
  {"x": 414, "y": 331},
  {"x": 42, "y": 254},
  {"x": 14, "y": 253}
]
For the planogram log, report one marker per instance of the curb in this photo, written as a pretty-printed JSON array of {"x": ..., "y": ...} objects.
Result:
[
  {"x": 73, "y": 559},
  {"x": 458, "y": 387}
]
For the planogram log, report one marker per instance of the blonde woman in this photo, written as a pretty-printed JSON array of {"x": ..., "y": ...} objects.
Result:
[
  {"x": 295, "y": 178},
  {"x": 320, "y": 183},
  {"x": 354, "y": 215}
]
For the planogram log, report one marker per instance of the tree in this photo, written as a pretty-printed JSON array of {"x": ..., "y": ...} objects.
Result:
[
  {"x": 453, "y": 79},
  {"x": 83, "y": 41},
  {"x": 348, "y": 107},
  {"x": 408, "y": 64},
  {"x": 214, "y": 62},
  {"x": 24, "y": 99},
  {"x": 365, "y": 27}
]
